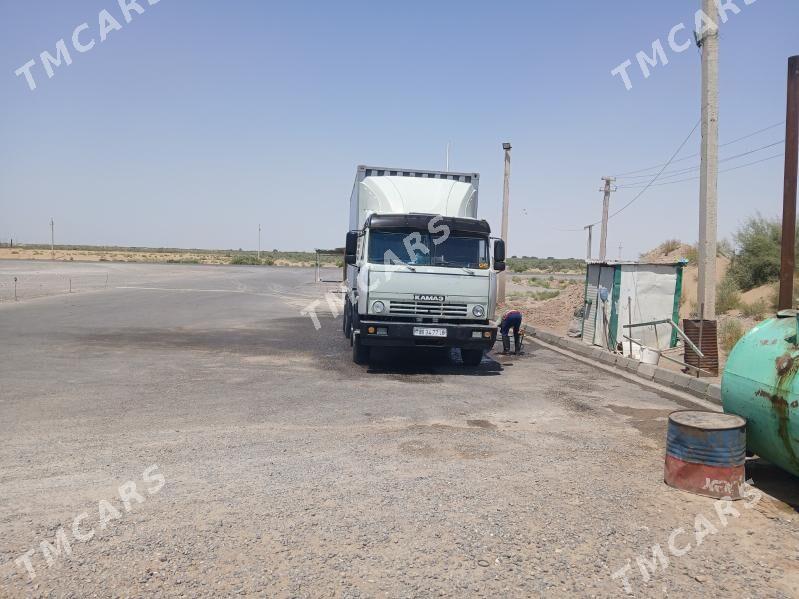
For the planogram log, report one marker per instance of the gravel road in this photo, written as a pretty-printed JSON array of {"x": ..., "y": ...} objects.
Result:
[{"x": 288, "y": 471}]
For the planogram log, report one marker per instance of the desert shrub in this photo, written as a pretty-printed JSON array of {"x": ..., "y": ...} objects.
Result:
[
  {"x": 730, "y": 333},
  {"x": 517, "y": 267},
  {"x": 546, "y": 265},
  {"x": 757, "y": 259},
  {"x": 757, "y": 309},
  {"x": 245, "y": 260},
  {"x": 692, "y": 255},
  {"x": 728, "y": 296},
  {"x": 540, "y": 296},
  {"x": 271, "y": 262},
  {"x": 725, "y": 248},
  {"x": 670, "y": 245}
]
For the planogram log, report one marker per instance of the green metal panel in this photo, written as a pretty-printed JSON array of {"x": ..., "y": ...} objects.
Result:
[
  {"x": 614, "y": 308},
  {"x": 676, "y": 314},
  {"x": 760, "y": 384}
]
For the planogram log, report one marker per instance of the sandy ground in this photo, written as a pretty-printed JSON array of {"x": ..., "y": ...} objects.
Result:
[
  {"x": 555, "y": 314},
  {"x": 107, "y": 256},
  {"x": 22, "y": 253},
  {"x": 290, "y": 472}
]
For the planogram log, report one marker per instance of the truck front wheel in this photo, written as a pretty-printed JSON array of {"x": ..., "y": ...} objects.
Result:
[
  {"x": 471, "y": 357},
  {"x": 347, "y": 324},
  {"x": 360, "y": 352}
]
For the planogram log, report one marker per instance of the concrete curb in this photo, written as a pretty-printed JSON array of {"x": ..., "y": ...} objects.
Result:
[{"x": 668, "y": 378}]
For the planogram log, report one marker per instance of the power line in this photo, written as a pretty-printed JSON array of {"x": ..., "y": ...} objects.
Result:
[
  {"x": 729, "y": 143},
  {"x": 693, "y": 168},
  {"x": 643, "y": 191},
  {"x": 735, "y": 168},
  {"x": 673, "y": 159},
  {"x": 655, "y": 178}
]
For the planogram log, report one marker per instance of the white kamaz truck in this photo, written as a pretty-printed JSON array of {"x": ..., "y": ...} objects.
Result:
[{"x": 419, "y": 264}]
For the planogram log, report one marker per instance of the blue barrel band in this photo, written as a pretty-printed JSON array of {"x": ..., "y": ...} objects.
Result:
[{"x": 724, "y": 448}]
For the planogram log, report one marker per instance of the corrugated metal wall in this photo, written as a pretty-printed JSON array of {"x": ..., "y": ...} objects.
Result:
[
  {"x": 589, "y": 316},
  {"x": 596, "y": 312}
]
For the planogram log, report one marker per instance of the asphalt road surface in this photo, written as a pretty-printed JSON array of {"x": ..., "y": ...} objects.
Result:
[{"x": 186, "y": 431}]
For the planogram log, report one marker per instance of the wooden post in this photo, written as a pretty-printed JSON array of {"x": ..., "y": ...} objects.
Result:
[
  {"x": 630, "y": 321},
  {"x": 788, "y": 260}
]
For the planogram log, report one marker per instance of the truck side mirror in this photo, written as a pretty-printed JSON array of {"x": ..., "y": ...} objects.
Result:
[
  {"x": 351, "y": 248},
  {"x": 499, "y": 266},
  {"x": 499, "y": 251}
]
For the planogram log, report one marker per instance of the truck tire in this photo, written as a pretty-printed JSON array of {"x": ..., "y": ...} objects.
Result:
[
  {"x": 471, "y": 357},
  {"x": 360, "y": 352},
  {"x": 354, "y": 323},
  {"x": 346, "y": 325}
]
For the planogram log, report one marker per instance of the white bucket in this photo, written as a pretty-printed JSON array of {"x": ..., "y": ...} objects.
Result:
[{"x": 650, "y": 356}]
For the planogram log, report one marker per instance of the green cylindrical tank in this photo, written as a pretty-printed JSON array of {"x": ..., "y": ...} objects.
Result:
[{"x": 760, "y": 384}]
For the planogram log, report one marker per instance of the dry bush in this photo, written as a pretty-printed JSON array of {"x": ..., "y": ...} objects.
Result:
[{"x": 730, "y": 332}]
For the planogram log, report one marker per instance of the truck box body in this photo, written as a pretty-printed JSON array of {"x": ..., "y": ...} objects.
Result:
[
  {"x": 419, "y": 268},
  {"x": 380, "y": 190}
]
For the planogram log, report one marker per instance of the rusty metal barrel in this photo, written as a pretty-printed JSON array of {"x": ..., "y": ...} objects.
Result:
[
  {"x": 706, "y": 453},
  {"x": 704, "y": 335}
]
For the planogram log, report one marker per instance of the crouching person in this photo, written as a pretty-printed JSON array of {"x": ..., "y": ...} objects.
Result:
[{"x": 511, "y": 320}]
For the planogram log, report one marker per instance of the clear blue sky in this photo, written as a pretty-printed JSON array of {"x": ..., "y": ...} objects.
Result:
[{"x": 198, "y": 120}]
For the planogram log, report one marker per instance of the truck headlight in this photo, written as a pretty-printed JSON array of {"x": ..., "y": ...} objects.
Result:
[
  {"x": 479, "y": 311},
  {"x": 378, "y": 307}
]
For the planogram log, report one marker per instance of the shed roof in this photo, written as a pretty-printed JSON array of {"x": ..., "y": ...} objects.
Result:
[{"x": 633, "y": 263}]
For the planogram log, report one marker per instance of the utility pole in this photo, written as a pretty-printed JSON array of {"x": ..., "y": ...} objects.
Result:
[
  {"x": 621, "y": 247},
  {"x": 788, "y": 262},
  {"x": 502, "y": 278},
  {"x": 259, "y": 241},
  {"x": 52, "y": 239},
  {"x": 603, "y": 239},
  {"x": 709, "y": 172},
  {"x": 446, "y": 167},
  {"x": 590, "y": 229}
]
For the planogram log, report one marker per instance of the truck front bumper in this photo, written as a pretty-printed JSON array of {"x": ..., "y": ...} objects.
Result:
[{"x": 401, "y": 334}]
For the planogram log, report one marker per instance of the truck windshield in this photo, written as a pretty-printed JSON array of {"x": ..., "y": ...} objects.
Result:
[
  {"x": 418, "y": 248},
  {"x": 463, "y": 252}
]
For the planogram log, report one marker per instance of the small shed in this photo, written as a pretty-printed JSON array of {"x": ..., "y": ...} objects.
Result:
[{"x": 653, "y": 291}]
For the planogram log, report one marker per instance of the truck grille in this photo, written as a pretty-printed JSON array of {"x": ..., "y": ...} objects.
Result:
[{"x": 412, "y": 308}]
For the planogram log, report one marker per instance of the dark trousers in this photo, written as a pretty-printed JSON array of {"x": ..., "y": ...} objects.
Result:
[{"x": 514, "y": 321}]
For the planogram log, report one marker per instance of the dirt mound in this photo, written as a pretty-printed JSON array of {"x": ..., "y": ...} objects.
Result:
[
  {"x": 554, "y": 314},
  {"x": 669, "y": 254},
  {"x": 765, "y": 293}
]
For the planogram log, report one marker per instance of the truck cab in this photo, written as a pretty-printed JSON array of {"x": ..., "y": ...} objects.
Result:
[{"x": 420, "y": 279}]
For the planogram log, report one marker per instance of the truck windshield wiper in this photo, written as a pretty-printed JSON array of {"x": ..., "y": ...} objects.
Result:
[{"x": 453, "y": 265}]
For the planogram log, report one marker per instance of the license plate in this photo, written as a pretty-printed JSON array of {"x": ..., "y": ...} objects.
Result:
[{"x": 426, "y": 332}]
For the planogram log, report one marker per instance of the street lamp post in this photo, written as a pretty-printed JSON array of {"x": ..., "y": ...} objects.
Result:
[{"x": 502, "y": 277}]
